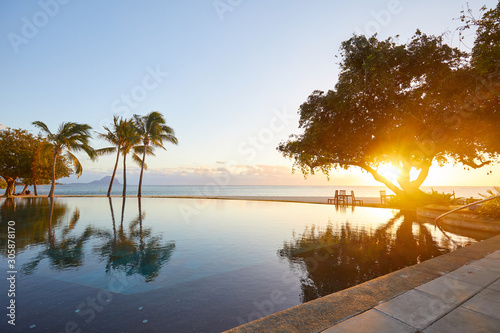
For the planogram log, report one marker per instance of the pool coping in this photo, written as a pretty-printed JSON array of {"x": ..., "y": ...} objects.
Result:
[{"x": 325, "y": 312}]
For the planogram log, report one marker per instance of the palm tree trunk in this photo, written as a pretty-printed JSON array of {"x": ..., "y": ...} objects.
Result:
[
  {"x": 114, "y": 171},
  {"x": 52, "y": 188},
  {"x": 33, "y": 170},
  {"x": 139, "y": 194},
  {"x": 124, "y": 193}
]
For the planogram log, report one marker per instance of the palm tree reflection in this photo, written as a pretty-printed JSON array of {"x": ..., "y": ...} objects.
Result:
[
  {"x": 48, "y": 223},
  {"x": 339, "y": 257},
  {"x": 135, "y": 251}
]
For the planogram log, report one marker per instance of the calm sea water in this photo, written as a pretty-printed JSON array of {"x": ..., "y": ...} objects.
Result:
[
  {"x": 234, "y": 190},
  {"x": 191, "y": 265}
]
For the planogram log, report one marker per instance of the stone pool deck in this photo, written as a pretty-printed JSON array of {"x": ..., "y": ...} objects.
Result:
[{"x": 455, "y": 292}]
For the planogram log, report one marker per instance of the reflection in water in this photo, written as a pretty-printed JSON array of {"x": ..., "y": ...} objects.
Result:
[
  {"x": 134, "y": 251},
  {"x": 64, "y": 251},
  {"x": 33, "y": 219},
  {"x": 339, "y": 257},
  {"x": 50, "y": 225}
]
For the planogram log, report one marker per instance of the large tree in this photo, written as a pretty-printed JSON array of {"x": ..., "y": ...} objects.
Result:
[
  {"x": 153, "y": 131},
  {"x": 42, "y": 167},
  {"x": 17, "y": 152},
  {"x": 407, "y": 105},
  {"x": 70, "y": 137}
]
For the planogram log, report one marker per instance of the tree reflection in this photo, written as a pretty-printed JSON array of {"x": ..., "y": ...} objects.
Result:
[
  {"x": 135, "y": 251},
  {"x": 65, "y": 250},
  {"x": 339, "y": 257},
  {"x": 49, "y": 224},
  {"x": 32, "y": 216}
]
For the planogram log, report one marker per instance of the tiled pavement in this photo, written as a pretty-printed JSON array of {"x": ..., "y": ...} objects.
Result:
[{"x": 465, "y": 300}]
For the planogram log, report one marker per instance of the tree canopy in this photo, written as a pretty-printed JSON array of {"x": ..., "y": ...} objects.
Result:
[
  {"x": 405, "y": 104},
  {"x": 21, "y": 158},
  {"x": 16, "y": 156}
]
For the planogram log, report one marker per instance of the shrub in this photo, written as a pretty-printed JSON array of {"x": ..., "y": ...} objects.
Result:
[{"x": 490, "y": 208}]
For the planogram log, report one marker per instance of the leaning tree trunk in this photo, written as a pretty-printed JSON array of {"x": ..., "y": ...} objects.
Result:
[
  {"x": 52, "y": 188},
  {"x": 139, "y": 193},
  {"x": 114, "y": 172},
  {"x": 24, "y": 189},
  {"x": 124, "y": 193}
]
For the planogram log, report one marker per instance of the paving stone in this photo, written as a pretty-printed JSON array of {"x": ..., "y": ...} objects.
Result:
[
  {"x": 489, "y": 264},
  {"x": 495, "y": 286},
  {"x": 416, "y": 308},
  {"x": 449, "y": 289},
  {"x": 371, "y": 321},
  {"x": 486, "y": 302},
  {"x": 474, "y": 275},
  {"x": 495, "y": 255},
  {"x": 463, "y": 320}
]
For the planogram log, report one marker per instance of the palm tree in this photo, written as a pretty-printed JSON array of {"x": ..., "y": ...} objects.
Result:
[
  {"x": 70, "y": 137},
  {"x": 153, "y": 132},
  {"x": 123, "y": 136}
]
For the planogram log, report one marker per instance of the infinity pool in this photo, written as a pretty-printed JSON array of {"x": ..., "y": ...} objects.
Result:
[{"x": 188, "y": 265}]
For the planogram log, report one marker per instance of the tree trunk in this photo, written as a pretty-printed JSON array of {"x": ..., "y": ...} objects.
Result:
[
  {"x": 10, "y": 186},
  {"x": 114, "y": 171},
  {"x": 124, "y": 193},
  {"x": 139, "y": 194},
  {"x": 52, "y": 188},
  {"x": 33, "y": 170},
  {"x": 24, "y": 189}
]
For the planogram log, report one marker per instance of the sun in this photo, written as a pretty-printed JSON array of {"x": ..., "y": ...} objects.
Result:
[{"x": 389, "y": 171}]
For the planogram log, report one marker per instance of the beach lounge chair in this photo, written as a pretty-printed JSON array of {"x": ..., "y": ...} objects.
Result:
[
  {"x": 384, "y": 197},
  {"x": 355, "y": 201},
  {"x": 343, "y": 197}
]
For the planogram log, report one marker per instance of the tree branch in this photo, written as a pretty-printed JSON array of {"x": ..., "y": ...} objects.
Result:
[
  {"x": 378, "y": 177},
  {"x": 473, "y": 164},
  {"x": 424, "y": 172}
]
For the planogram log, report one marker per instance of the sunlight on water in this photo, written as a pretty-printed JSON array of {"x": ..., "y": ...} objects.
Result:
[{"x": 206, "y": 261}]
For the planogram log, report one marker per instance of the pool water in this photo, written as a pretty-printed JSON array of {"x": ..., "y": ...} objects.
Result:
[{"x": 193, "y": 265}]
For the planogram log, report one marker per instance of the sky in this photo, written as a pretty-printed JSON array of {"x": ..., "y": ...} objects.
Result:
[{"x": 228, "y": 75}]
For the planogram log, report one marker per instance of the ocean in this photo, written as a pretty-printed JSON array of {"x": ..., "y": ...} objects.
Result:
[{"x": 242, "y": 190}]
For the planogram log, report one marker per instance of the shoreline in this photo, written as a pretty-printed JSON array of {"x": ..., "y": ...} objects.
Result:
[{"x": 367, "y": 201}]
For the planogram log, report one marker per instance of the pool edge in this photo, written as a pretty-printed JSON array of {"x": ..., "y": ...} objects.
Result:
[{"x": 325, "y": 312}]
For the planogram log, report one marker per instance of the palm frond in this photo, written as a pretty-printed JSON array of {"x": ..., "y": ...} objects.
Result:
[
  {"x": 149, "y": 150},
  {"x": 76, "y": 163},
  {"x": 41, "y": 125},
  {"x": 138, "y": 161},
  {"x": 105, "y": 151}
]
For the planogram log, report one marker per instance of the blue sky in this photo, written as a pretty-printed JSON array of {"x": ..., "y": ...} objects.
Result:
[{"x": 228, "y": 75}]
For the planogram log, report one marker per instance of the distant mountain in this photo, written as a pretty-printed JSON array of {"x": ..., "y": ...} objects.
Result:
[{"x": 100, "y": 182}]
